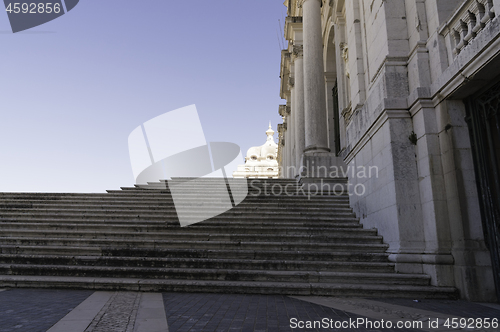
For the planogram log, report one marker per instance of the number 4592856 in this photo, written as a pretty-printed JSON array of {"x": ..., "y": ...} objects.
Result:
[{"x": 33, "y": 8}]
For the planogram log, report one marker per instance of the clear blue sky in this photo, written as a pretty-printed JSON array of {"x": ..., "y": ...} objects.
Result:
[{"x": 73, "y": 89}]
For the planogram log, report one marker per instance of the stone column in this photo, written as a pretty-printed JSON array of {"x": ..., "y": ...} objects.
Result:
[
  {"x": 288, "y": 142},
  {"x": 299, "y": 105},
  {"x": 316, "y": 136}
]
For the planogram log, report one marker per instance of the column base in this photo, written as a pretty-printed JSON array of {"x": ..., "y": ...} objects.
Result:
[
  {"x": 323, "y": 173},
  {"x": 416, "y": 263},
  {"x": 321, "y": 164},
  {"x": 313, "y": 149}
]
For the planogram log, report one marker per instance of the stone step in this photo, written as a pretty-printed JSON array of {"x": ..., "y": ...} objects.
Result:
[
  {"x": 221, "y": 217},
  {"x": 216, "y": 221},
  {"x": 277, "y": 192},
  {"x": 45, "y": 228},
  {"x": 158, "y": 192},
  {"x": 195, "y": 253},
  {"x": 197, "y": 263},
  {"x": 155, "y": 224},
  {"x": 248, "y": 254},
  {"x": 348, "y": 237},
  {"x": 236, "y": 287},
  {"x": 251, "y": 188},
  {"x": 155, "y": 198},
  {"x": 183, "y": 178},
  {"x": 371, "y": 246},
  {"x": 200, "y": 273},
  {"x": 50, "y": 250},
  {"x": 147, "y": 203},
  {"x": 172, "y": 211}
]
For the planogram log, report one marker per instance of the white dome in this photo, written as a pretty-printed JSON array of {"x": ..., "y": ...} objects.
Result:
[
  {"x": 268, "y": 151},
  {"x": 261, "y": 161}
]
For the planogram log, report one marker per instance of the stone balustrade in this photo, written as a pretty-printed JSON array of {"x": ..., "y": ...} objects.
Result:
[{"x": 465, "y": 23}]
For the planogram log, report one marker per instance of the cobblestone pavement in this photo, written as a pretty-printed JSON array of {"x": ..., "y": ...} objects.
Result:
[
  {"x": 36, "y": 310},
  {"x": 233, "y": 312},
  {"x": 118, "y": 315},
  {"x": 446, "y": 307},
  {"x": 33, "y": 310}
]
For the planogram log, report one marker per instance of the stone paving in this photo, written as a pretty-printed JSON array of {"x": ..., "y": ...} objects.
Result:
[
  {"x": 36, "y": 310},
  {"x": 30, "y": 310},
  {"x": 118, "y": 315},
  {"x": 246, "y": 313}
]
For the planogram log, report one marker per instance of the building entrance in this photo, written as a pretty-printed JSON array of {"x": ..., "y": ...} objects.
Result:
[{"x": 483, "y": 119}]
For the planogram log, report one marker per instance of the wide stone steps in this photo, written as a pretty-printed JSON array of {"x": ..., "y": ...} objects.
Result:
[{"x": 130, "y": 239}]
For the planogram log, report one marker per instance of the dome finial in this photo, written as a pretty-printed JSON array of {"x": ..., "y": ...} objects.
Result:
[{"x": 270, "y": 132}]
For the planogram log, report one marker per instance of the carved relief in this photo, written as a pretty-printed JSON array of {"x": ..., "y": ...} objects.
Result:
[
  {"x": 298, "y": 51},
  {"x": 345, "y": 56}
]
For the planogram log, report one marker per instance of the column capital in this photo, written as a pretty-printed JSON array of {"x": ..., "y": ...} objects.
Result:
[{"x": 284, "y": 110}]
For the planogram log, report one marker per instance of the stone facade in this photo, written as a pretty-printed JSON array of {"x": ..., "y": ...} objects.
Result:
[
  {"x": 383, "y": 84},
  {"x": 260, "y": 161}
]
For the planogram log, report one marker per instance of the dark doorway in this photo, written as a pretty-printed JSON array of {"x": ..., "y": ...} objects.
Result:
[{"x": 483, "y": 119}]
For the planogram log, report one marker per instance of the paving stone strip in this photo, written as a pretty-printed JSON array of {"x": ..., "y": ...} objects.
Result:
[
  {"x": 118, "y": 314},
  {"x": 116, "y": 311}
]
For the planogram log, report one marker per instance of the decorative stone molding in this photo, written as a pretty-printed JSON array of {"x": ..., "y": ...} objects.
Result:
[
  {"x": 298, "y": 51},
  {"x": 347, "y": 113},
  {"x": 344, "y": 51},
  {"x": 284, "y": 110}
]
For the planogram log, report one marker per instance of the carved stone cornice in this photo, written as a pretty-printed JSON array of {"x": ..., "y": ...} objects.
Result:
[
  {"x": 293, "y": 19},
  {"x": 284, "y": 110},
  {"x": 292, "y": 23}
]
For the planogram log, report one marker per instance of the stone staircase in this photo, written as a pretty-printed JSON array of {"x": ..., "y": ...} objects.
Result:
[{"x": 130, "y": 239}]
